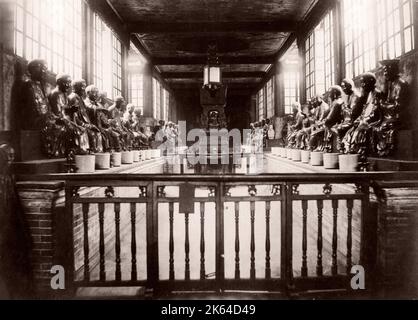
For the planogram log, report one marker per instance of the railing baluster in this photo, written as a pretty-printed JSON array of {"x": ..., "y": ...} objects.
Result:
[
  {"x": 334, "y": 268},
  {"x": 237, "y": 243},
  {"x": 304, "y": 269},
  {"x": 268, "y": 268},
  {"x": 187, "y": 248},
  {"x": 134, "y": 274},
  {"x": 171, "y": 241},
  {"x": 86, "y": 208},
  {"x": 202, "y": 241},
  {"x": 118, "y": 273},
  {"x": 319, "y": 268},
  {"x": 252, "y": 247},
  {"x": 350, "y": 205},
  {"x": 102, "y": 273}
]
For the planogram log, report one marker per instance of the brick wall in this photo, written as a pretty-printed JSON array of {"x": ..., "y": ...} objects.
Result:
[
  {"x": 398, "y": 242},
  {"x": 43, "y": 204},
  {"x": 38, "y": 202}
]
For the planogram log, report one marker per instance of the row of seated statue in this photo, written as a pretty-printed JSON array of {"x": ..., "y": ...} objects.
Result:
[
  {"x": 363, "y": 123},
  {"x": 73, "y": 118},
  {"x": 260, "y": 132}
]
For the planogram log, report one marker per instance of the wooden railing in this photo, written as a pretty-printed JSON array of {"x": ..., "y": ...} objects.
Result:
[{"x": 304, "y": 216}]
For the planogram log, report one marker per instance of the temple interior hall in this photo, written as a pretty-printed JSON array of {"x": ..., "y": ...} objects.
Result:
[{"x": 223, "y": 149}]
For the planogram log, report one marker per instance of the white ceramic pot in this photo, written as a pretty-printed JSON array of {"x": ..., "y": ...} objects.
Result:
[
  {"x": 135, "y": 154},
  {"x": 283, "y": 152},
  {"x": 147, "y": 154},
  {"x": 296, "y": 155},
  {"x": 305, "y": 156},
  {"x": 155, "y": 153},
  {"x": 85, "y": 163},
  {"x": 317, "y": 158},
  {"x": 127, "y": 157},
  {"x": 331, "y": 160},
  {"x": 289, "y": 153},
  {"x": 349, "y": 162},
  {"x": 102, "y": 161},
  {"x": 116, "y": 159},
  {"x": 141, "y": 155}
]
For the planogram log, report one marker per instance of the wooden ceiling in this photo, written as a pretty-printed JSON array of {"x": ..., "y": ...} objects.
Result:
[{"x": 174, "y": 35}]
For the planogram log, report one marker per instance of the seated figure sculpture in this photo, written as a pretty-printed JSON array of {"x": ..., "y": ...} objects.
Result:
[
  {"x": 318, "y": 129},
  {"x": 295, "y": 125},
  {"x": 352, "y": 103},
  {"x": 76, "y": 138},
  {"x": 99, "y": 115},
  {"x": 359, "y": 139},
  {"x": 333, "y": 119},
  {"x": 36, "y": 113},
  {"x": 302, "y": 137},
  {"x": 77, "y": 113},
  {"x": 116, "y": 113},
  {"x": 394, "y": 100},
  {"x": 128, "y": 123}
]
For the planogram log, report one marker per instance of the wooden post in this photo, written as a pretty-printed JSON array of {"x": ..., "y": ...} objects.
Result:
[
  {"x": 220, "y": 261},
  {"x": 148, "y": 97}
]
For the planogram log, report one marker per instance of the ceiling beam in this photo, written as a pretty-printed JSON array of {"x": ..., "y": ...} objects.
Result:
[
  {"x": 314, "y": 16},
  {"x": 194, "y": 85},
  {"x": 282, "y": 25},
  {"x": 223, "y": 60},
  {"x": 199, "y": 75},
  {"x": 111, "y": 17},
  {"x": 138, "y": 44}
]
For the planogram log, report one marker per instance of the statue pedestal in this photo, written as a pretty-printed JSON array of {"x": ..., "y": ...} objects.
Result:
[
  {"x": 30, "y": 145},
  {"x": 44, "y": 166}
]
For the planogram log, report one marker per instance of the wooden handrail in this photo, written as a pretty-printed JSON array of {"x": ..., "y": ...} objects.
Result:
[{"x": 96, "y": 179}]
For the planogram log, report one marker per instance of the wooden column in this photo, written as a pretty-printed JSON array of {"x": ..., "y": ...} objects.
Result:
[
  {"x": 172, "y": 111},
  {"x": 339, "y": 63},
  {"x": 254, "y": 108},
  {"x": 88, "y": 44},
  {"x": 302, "y": 78},
  {"x": 279, "y": 110},
  {"x": 148, "y": 91},
  {"x": 7, "y": 25},
  {"x": 7, "y": 65},
  {"x": 125, "y": 75}
]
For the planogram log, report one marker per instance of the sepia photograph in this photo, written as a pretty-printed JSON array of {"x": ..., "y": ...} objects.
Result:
[{"x": 208, "y": 150}]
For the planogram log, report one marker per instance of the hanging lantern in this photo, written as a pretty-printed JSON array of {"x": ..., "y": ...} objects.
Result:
[{"x": 212, "y": 75}]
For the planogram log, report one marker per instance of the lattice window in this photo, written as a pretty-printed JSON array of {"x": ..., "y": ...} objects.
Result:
[
  {"x": 260, "y": 101},
  {"x": 137, "y": 90},
  {"x": 291, "y": 89},
  {"x": 395, "y": 28},
  {"x": 166, "y": 104},
  {"x": 50, "y": 30},
  {"x": 156, "y": 91},
  {"x": 310, "y": 65},
  {"x": 376, "y": 30},
  {"x": 116, "y": 67}
]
